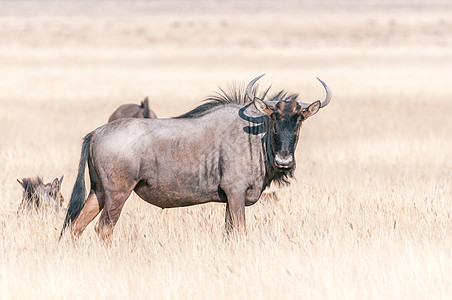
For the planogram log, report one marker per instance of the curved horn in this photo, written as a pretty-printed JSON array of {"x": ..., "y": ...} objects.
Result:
[
  {"x": 328, "y": 94},
  {"x": 324, "y": 102},
  {"x": 249, "y": 88}
]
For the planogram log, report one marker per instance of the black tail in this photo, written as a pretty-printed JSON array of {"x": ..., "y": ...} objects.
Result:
[
  {"x": 78, "y": 192},
  {"x": 145, "y": 107}
]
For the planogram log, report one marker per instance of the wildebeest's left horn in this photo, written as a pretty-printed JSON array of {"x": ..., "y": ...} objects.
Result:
[
  {"x": 328, "y": 94},
  {"x": 249, "y": 88},
  {"x": 327, "y": 97}
]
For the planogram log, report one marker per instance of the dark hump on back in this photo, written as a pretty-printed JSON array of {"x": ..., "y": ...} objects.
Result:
[
  {"x": 234, "y": 95},
  {"x": 199, "y": 111}
]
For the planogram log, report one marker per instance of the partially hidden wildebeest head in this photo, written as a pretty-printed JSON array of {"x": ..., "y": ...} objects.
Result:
[
  {"x": 286, "y": 115},
  {"x": 133, "y": 111},
  {"x": 38, "y": 194}
]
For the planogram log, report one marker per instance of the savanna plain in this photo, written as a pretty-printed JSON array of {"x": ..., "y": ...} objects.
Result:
[{"x": 368, "y": 215}]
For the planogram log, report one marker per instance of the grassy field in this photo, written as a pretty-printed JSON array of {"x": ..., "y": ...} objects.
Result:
[{"x": 369, "y": 214}]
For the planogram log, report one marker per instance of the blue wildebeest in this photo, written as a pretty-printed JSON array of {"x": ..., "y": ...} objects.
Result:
[
  {"x": 226, "y": 150},
  {"x": 38, "y": 194},
  {"x": 133, "y": 111}
]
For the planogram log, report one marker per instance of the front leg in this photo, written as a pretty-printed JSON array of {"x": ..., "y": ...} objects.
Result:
[{"x": 235, "y": 213}]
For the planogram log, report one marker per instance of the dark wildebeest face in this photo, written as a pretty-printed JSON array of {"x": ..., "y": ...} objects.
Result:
[
  {"x": 286, "y": 116},
  {"x": 37, "y": 193},
  {"x": 285, "y": 123}
]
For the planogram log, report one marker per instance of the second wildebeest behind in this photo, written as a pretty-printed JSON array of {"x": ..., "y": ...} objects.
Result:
[
  {"x": 133, "y": 111},
  {"x": 226, "y": 150},
  {"x": 37, "y": 194}
]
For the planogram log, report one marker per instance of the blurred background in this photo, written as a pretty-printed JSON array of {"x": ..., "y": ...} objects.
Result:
[{"x": 371, "y": 199}]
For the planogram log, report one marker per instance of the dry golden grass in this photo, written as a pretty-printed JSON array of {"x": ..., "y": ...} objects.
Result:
[{"x": 369, "y": 215}]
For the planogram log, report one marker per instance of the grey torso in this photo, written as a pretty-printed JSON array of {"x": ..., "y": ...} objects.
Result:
[{"x": 180, "y": 162}]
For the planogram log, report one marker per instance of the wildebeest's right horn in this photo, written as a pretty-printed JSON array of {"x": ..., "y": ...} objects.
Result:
[
  {"x": 328, "y": 94},
  {"x": 249, "y": 88}
]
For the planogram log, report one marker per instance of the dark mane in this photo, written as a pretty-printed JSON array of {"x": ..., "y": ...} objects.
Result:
[
  {"x": 233, "y": 95},
  {"x": 280, "y": 176}
]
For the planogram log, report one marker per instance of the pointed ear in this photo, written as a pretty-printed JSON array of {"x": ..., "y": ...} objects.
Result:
[
  {"x": 311, "y": 109},
  {"x": 21, "y": 183},
  {"x": 262, "y": 107},
  {"x": 55, "y": 184},
  {"x": 61, "y": 179}
]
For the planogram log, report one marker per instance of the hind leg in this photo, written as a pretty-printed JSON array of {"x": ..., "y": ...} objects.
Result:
[
  {"x": 93, "y": 205},
  {"x": 110, "y": 215}
]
